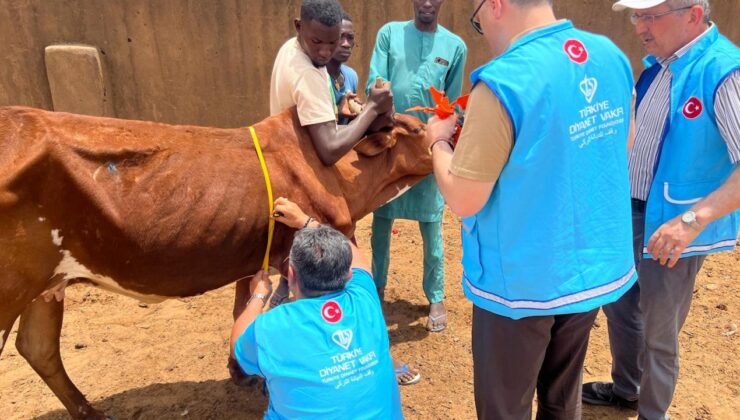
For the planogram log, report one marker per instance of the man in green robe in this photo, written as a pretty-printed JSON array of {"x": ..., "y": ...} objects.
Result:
[{"x": 413, "y": 56}]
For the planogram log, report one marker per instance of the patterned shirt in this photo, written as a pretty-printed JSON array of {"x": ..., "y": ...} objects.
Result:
[{"x": 652, "y": 116}]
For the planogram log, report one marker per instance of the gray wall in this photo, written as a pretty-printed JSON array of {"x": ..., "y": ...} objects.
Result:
[{"x": 208, "y": 62}]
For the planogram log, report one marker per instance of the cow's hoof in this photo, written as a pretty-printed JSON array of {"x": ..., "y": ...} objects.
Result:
[
  {"x": 239, "y": 378},
  {"x": 89, "y": 413}
]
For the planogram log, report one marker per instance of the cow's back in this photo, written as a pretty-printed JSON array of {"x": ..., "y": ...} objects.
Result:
[{"x": 172, "y": 209}]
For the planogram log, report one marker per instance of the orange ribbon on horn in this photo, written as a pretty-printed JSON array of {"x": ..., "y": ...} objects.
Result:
[{"x": 444, "y": 108}]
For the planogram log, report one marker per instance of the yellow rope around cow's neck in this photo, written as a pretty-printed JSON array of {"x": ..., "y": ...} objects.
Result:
[{"x": 268, "y": 184}]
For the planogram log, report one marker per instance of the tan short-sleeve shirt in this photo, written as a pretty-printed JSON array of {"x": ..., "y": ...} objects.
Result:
[
  {"x": 486, "y": 138},
  {"x": 297, "y": 82}
]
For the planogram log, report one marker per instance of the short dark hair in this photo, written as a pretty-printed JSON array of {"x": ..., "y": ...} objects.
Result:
[
  {"x": 326, "y": 12},
  {"x": 321, "y": 258},
  {"x": 346, "y": 16}
]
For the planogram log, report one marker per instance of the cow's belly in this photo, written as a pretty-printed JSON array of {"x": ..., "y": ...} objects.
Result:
[
  {"x": 69, "y": 268},
  {"x": 149, "y": 276}
]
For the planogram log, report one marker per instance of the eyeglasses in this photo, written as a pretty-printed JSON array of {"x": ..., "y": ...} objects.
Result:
[
  {"x": 475, "y": 22},
  {"x": 649, "y": 19}
]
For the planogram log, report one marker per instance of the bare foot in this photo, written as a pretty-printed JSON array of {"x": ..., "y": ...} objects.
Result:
[
  {"x": 405, "y": 375},
  {"x": 437, "y": 320}
]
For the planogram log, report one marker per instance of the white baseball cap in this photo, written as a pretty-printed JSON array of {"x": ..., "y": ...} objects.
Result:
[{"x": 635, "y": 4}]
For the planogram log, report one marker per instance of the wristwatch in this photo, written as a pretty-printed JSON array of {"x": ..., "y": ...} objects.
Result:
[
  {"x": 261, "y": 296},
  {"x": 689, "y": 218}
]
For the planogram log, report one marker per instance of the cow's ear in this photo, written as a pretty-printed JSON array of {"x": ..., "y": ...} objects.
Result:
[{"x": 375, "y": 143}]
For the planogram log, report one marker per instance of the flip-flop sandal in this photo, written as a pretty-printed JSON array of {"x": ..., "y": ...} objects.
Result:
[
  {"x": 432, "y": 319},
  {"x": 278, "y": 299},
  {"x": 400, "y": 371}
]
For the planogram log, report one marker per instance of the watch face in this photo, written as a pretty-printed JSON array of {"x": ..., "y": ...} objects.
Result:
[{"x": 688, "y": 217}]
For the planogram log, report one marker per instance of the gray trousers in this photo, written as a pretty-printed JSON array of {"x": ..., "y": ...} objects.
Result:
[
  {"x": 644, "y": 325},
  {"x": 512, "y": 358}
]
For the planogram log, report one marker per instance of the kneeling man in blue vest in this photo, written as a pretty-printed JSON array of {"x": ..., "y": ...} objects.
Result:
[{"x": 326, "y": 355}]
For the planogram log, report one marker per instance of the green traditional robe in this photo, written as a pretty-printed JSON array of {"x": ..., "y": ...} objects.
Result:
[{"x": 413, "y": 61}]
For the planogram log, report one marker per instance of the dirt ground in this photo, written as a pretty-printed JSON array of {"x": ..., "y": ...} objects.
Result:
[{"x": 168, "y": 361}]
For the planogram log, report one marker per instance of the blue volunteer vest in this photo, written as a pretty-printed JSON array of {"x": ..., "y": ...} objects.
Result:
[
  {"x": 328, "y": 357},
  {"x": 555, "y": 237},
  {"x": 693, "y": 160}
]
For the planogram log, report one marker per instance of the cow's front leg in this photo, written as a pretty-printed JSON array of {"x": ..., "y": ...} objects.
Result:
[
  {"x": 241, "y": 297},
  {"x": 38, "y": 343}
]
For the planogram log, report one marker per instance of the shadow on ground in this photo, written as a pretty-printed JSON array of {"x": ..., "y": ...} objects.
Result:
[
  {"x": 408, "y": 318},
  {"x": 181, "y": 400}
]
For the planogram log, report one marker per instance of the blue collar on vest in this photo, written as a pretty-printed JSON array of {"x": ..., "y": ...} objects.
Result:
[
  {"x": 691, "y": 55},
  {"x": 536, "y": 34}
]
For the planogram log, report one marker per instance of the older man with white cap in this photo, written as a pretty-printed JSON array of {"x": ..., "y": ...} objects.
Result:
[{"x": 685, "y": 185}]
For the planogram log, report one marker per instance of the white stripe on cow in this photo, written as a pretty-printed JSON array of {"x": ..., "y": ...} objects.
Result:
[
  {"x": 400, "y": 193},
  {"x": 56, "y": 238},
  {"x": 72, "y": 269}
]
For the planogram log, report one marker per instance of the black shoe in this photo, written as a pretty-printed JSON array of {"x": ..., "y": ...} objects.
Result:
[{"x": 602, "y": 393}]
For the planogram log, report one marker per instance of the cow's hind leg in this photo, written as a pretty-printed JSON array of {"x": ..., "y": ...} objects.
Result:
[{"x": 38, "y": 343}]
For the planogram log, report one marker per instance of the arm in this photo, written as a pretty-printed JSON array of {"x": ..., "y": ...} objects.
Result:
[
  {"x": 669, "y": 241},
  {"x": 467, "y": 177},
  {"x": 332, "y": 141},
  {"x": 464, "y": 196},
  {"x": 260, "y": 284},
  {"x": 288, "y": 213}
]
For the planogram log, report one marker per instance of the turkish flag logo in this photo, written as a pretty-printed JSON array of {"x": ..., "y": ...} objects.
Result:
[
  {"x": 576, "y": 51},
  {"x": 692, "y": 108},
  {"x": 331, "y": 312}
]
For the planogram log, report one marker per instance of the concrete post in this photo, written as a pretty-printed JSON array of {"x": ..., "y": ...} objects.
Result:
[{"x": 77, "y": 80}]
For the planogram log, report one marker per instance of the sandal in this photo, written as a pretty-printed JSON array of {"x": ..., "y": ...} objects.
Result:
[
  {"x": 281, "y": 294},
  {"x": 402, "y": 371},
  {"x": 432, "y": 320},
  {"x": 438, "y": 322},
  {"x": 278, "y": 299}
]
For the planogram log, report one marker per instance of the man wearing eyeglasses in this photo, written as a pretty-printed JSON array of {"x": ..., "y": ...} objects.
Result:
[
  {"x": 540, "y": 177},
  {"x": 685, "y": 187}
]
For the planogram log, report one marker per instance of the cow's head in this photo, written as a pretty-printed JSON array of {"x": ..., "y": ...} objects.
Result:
[
  {"x": 386, "y": 164},
  {"x": 404, "y": 126}
]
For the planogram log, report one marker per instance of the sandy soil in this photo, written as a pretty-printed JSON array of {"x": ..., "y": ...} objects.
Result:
[{"x": 168, "y": 360}]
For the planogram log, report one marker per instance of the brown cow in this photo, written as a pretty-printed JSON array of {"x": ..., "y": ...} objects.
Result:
[{"x": 156, "y": 211}]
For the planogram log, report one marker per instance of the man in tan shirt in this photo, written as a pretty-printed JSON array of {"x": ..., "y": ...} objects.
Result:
[{"x": 299, "y": 78}]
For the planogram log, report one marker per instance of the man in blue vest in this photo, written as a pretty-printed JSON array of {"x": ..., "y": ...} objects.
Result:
[
  {"x": 539, "y": 176},
  {"x": 325, "y": 355},
  {"x": 685, "y": 186}
]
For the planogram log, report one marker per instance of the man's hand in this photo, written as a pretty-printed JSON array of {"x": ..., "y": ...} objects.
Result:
[
  {"x": 261, "y": 284},
  {"x": 288, "y": 213},
  {"x": 438, "y": 128},
  {"x": 348, "y": 106},
  {"x": 381, "y": 99},
  {"x": 669, "y": 241}
]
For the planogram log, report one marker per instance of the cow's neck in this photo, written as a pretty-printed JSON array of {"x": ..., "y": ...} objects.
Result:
[{"x": 369, "y": 183}]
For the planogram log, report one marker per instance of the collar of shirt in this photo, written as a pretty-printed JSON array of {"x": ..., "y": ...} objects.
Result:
[{"x": 683, "y": 50}]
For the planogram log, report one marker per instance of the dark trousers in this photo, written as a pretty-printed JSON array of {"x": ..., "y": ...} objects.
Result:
[
  {"x": 512, "y": 358},
  {"x": 644, "y": 325}
]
